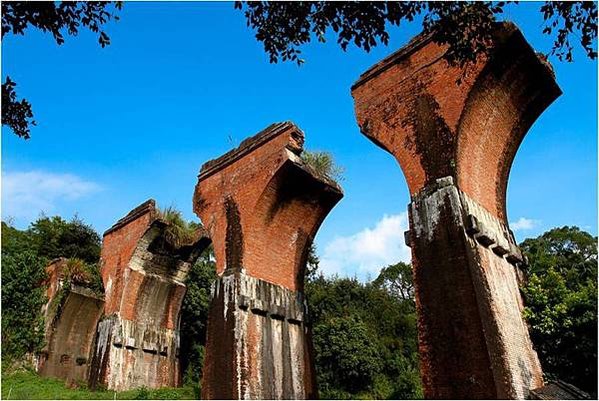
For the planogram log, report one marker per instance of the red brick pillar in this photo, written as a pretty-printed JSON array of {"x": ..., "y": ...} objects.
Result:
[
  {"x": 262, "y": 206},
  {"x": 455, "y": 143},
  {"x": 137, "y": 340},
  {"x": 71, "y": 316}
]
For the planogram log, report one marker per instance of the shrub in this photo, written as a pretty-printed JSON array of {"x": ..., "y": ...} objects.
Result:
[{"x": 22, "y": 299}]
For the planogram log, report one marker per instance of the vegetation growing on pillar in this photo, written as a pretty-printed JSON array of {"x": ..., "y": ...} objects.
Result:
[
  {"x": 76, "y": 272},
  {"x": 179, "y": 231},
  {"x": 561, "y": 304},
  {"x": 323, "y": 164}
]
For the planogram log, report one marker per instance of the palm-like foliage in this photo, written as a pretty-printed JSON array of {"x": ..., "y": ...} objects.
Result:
[
  {"x": 323, "y": 164},
  {"x": 178, "y": 232}
]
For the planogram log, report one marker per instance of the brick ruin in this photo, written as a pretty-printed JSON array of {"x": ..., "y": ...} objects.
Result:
[
  {"x": 262, "y": 207},
  {"x": 71, "y": 316},
  {"x": 455, "y": 132},
  {"x": 137, "y": 340}
]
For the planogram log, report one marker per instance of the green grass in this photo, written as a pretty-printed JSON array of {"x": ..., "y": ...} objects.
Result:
[{"x": 23, "y": 385}]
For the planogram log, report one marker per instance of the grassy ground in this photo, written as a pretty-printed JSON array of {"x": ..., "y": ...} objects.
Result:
[{"x": 24, "y": 384}]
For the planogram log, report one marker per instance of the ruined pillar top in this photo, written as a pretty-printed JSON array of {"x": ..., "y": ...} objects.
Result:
[
  {"x": 263, "y": 205},
  {"x": 139, "y": 242},
  {"x": 465, "y": 122}
]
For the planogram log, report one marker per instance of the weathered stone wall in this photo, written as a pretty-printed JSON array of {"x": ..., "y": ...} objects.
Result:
[
  {"x": 71, "y": 316},
  {"x": 263, "y": 341},
  {"x": 262, "y": 206},
  {"x": 455, "y": 132},
  {"x": 138, "y": 338},
  {"x": 468, "y": 299}
]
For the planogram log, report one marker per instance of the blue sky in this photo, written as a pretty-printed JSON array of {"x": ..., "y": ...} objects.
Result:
[{"x": 183, "y": 83}]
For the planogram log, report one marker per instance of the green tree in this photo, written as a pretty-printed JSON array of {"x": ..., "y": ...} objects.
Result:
[
  {"x": 53, "y": 237},
  {"x": 561, "y": 304},
  {"x": 347, "y": 355},
  {"x": 25, "y": 254},
  {"x": 13, "y": 240},
  {"x": 466, "y": 27},
  {"x": 369, "y": 315},
  {"x": 397, "y": 280},
  {"x": 194, "y": 316},
  {"x": 22, "y": 299}
]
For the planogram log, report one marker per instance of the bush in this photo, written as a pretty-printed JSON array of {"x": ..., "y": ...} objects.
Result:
[
  {"x": 561, "y": 304},
  {"x": 22, "y": 299},
  {"x": 194, "y": 317}
]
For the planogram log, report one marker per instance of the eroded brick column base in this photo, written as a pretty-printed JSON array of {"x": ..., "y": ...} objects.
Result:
[
  {"x": 258, "y": 332},
  {"x": 131, "y": 354},
  {"x": 468, "y": 299},
  {"x": 71, "y": 316}
]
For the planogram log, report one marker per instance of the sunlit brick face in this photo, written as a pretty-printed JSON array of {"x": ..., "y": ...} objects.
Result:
[
  {"x": 455, "y": 132},
  {"x": 262, "y": 207}
]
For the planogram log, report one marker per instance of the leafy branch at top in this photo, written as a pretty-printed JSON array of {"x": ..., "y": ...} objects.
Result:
[
  {"x": 466, "y": 27},
  {"x": 54, "y": 18},
  {"x": 16, "y": 114}
]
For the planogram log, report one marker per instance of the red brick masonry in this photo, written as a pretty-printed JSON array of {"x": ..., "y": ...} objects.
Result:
[
  {"x": 71, "y": 316},
  {"x": 137, "y": 341},
  {"x": 455, "y": 132},
  {"x": 262, "y": 207}
]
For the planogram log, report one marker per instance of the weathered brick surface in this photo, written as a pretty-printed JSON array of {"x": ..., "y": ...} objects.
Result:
[
  {"x": 455, "y": 142},
  {"x": 138, "y": 338},
  {"x": 412, "y": 105},
  {"x": 71, "y": 316},
  {"x": 262, "y": 206}
]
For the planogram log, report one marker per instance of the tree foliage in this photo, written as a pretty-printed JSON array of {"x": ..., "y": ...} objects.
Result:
[
  {"x": 194, "y": 317},
  {"x": 25, "y": 255},
  {"x": 16, "y": 114},
  {"x": 283, "y": 27},
  {"x": 466, "y": 27},
  {"x": 54, "y": 237},
  {"x": 56, "y": 18},
  {"x": 364, "y": 338},
  {"x": 397, "y": 280},
  {"x": 561, "y": 304},
  {"x": 22, "y": 299},
  {"x": 346, "y": 353}
]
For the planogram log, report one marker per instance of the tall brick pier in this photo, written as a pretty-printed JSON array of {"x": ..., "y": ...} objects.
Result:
[
  {"x": 455, "y": 143},
  {"x": 262, "y": 207},
  {"x": 137, "y": 340}
]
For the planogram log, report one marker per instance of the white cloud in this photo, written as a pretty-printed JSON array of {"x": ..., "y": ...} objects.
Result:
[
  {"x": 524, "y": 224},
  {"x": 366, "y": 252},
  {"x": 27, "y": 193}
]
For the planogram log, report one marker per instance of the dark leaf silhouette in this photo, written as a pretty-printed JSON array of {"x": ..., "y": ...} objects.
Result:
[
  {"x": 466, "y": 27},
  {"x": 55, "y": 18}
]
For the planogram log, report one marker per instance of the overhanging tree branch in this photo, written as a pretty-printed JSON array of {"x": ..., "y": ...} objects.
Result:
[{"x": 54, "y": 18}]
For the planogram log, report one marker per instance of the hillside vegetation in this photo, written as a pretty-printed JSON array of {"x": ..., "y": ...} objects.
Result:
[{"x": 365, "y": 334}]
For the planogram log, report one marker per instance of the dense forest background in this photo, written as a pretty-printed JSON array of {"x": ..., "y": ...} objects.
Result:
[{"x": 365, "y": 334}]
